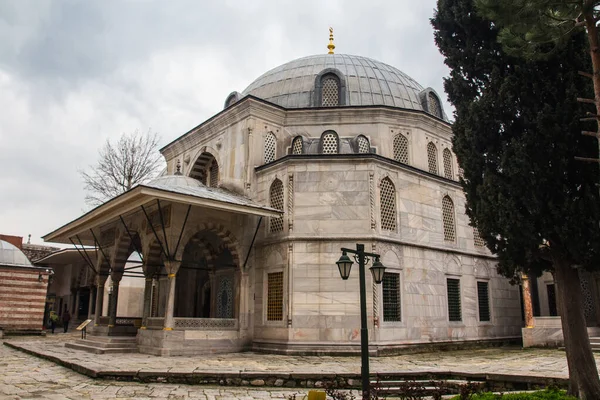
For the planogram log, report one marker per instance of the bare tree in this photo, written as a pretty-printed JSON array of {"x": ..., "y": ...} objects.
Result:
[{"x": 134, "y": 159}]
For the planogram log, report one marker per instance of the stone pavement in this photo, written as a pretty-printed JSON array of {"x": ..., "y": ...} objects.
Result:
[{"x": 23, "y": 376}]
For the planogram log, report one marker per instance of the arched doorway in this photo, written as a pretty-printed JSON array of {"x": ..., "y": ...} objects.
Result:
[{"x": 207, "y": 281}]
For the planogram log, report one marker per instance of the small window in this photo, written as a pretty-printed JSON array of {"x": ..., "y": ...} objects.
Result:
[
  {"x": 275, "y": 296},
  {"x": 276, "y": 201},
  {"x": 434, "y": 105},
  {"x": 432, "y": 158},
  {"x": 388, "y": 205},
  {"x": 483, "y": 298},
  {"x": 297, "y": 145},
  {"x": 448, "y": 172},
  {"x": 448, "y": 219},
  {"x": 551, "y": 290},
  {"x": 477, "y": 238},
  {"x": 363, "y": 145},
  {"x": 213, "y": 174},
  {"x": 454, "y": 310},
  {"x": 391, "y": 297},
  {"x": 330, "y": 91},
  {"x": 329, "y": 143},
  {"x": 270, "y": 144},
  {"x": 401, "y": 148}
]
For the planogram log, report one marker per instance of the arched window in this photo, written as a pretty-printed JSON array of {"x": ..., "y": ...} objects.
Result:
[
  {"x": 432, "y": 158},
  {"x": 448, "y": 173},
  {"x": 270, "y": 144},
  {"x": 448, "y": 219},
  {"x": 297, "y": 145},
  {"x": 329, "y": 143},
  {"x": 363, "y": 144},
  {"x": 479, "y": 242},
  {"x": 330, "y": 91},
  {"x": 276, "y": 201},
  {"x": 388, "y": 205},
  {"x": 206, "y": 170},
  {"x": 434, "y": 105},
  {"x": 401, "y": 148}
]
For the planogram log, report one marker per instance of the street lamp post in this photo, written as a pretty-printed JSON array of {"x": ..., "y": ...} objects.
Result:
[{"x": 377, "y": 269}]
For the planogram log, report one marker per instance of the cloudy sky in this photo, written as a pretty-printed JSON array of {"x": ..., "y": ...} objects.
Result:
[{"x": 75, "y": 73}]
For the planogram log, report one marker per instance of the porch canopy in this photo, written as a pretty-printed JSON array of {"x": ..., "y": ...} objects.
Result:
[{"x": 170, "y": 189}]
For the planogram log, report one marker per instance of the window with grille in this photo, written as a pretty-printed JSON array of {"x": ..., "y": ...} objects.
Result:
[
  {"x": 448, "y": 219},
  {"x": 551, "y": 290},
  {"x": 276, "y": 200},
  {"x": 434, "y": 105},
  {"x": 214, "y": 174},
  {"x": 483, "y": 298},
  {"x": 275, "y": 296},
  {"x": 432, "y": 158},
  {"x": 448, "y": 173},
  {"x": 329, "y": 143},
  {"x": 461, "y": 172},
  {"x": 388, "y": 205},
  {"x": 363, "y": 145},
  {"x": 391, "y": 297},
  {"x": 297, "y": 145},
  {"x": 477, "y": 238},
  {"x": 330, "y": 91},
  {"x": 270, "y": 143},
  {"x": 454, "y": 310},
  {"x": 401, "y": 148}
]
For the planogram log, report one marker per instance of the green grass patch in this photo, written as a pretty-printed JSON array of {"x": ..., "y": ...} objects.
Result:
[{"x": 548, "y": 394}]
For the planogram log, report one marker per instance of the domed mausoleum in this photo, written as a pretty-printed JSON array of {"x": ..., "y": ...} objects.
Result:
[{"x": 239, "y": 241}]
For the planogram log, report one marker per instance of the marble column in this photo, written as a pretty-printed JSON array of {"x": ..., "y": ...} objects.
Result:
[
  {"x": 147, "y": 301},
  {"x": 172, "y": 267},
  {"x": 90, "y": 303},
  {"x": 527, "y": 304},
  {"x": 75, "y": 313},
  {"x": 101, "y": 280},
  {"x": 114, "y": 300}
]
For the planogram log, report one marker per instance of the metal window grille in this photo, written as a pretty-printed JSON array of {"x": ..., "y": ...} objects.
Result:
[
  {"x": 448, "y": 173},
  {"x": 270, "y": 143},
  {"x": 454, "y": 310},
  {"x": 391, "y": 297},
  {"x": 275, "y": 296},
  {"x": 477, "y": 238},
  {"x": 329, "y": 143},
  {"x": 483, "y": 297},
  {"x": 213, "y": 173},
  {"x": 461, "y": 172},
  {"x": 551, "y": 290},
  {"x": 225, "y": 298},
  {"x": 363, "y": 145},
  {"x": 276, "y": 199},
  {"x": 388, "y": 205},
  {"x": 448, "y": 219},
  {"x": 401, "y": 148},
  {"x": 330, "y": 92},
  {"x": 297, "y": 145},
  {"x": 432, "y": 158},
  {"x": 434, "y": 105}
]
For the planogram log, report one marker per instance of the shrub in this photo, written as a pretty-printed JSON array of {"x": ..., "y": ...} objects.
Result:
[{"x": 548, "y": 394}]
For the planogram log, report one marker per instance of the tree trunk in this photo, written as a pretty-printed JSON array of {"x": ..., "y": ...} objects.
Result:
[
  {"x": 583, "y": 374},
  {"x": 592, "y": 34}
]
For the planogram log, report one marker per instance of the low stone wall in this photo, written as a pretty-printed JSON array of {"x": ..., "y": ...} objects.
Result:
[
  {"x": 189, "y": 342},
  {"x": 547, "y": 332}
]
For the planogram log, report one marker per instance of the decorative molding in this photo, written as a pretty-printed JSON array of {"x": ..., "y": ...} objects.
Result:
[
  {"x": 290, "y": 202},
  {"x": 372, "y": 199}
]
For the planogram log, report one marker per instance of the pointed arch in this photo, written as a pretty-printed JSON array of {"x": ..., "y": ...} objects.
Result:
[
  {"x": 448, "y": 170},
  {"x": 206, "y": 169},
  {"x": 363, "y": 145},
  {"x": 448, "y": 219},
  {"x": 432, "y": 158},
  {"x": 270, "y": 147},
  {"x": 298, "y": 145},
  {"x": 387, "y": 205},
  {"x": 330, "y": 143},
  {"x": 276, "y": 201},
  {"x": 401, "y": 148}
]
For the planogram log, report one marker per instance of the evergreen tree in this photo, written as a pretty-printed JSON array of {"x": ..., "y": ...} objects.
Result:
[{"x": 516, "y": 135}]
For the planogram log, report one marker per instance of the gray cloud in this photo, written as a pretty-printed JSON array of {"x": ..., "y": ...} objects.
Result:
[{"x": 74, "y": 73}]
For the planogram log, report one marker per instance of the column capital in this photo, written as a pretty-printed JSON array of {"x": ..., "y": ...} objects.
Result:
[
  {"x": 172, "y": 267},
  {"x": 101, "y": 279}
]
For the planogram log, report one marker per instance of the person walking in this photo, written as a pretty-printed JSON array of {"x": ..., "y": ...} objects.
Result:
[
  {"x": 66, "y": 317},
  {"x": 53, "y": 320}
]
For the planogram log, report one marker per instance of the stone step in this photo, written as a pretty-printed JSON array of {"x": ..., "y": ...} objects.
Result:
[
  {"x": 111, "y": 339},
  {"x": 101, "y": 350},
  {"x": 106, "y": 345}
]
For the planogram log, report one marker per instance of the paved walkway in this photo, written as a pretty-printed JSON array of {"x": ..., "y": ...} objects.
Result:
[{"x": 24, "y": 376}]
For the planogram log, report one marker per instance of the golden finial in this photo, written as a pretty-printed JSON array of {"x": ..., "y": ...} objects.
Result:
[{"x": 330, "y": 46}]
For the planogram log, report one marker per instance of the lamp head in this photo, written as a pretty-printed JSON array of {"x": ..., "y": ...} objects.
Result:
[
  {"x": 377, "y": 270},
  {"x": 344, "y": 265}
]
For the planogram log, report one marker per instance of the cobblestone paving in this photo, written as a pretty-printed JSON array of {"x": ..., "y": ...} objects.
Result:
[{"x": 27, "y": 377}]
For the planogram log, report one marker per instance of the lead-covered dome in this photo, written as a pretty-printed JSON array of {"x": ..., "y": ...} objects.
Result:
[
  {"x": 308, "y": 81},
  {"x": 10, "y": 255}
]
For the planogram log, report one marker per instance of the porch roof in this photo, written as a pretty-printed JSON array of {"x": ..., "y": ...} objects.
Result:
[{"x": 171, "y": 188}]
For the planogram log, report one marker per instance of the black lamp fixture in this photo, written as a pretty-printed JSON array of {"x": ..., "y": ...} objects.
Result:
[
  {"x": 344, "y": 265},
  {"x": 377, "y": 270}
]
